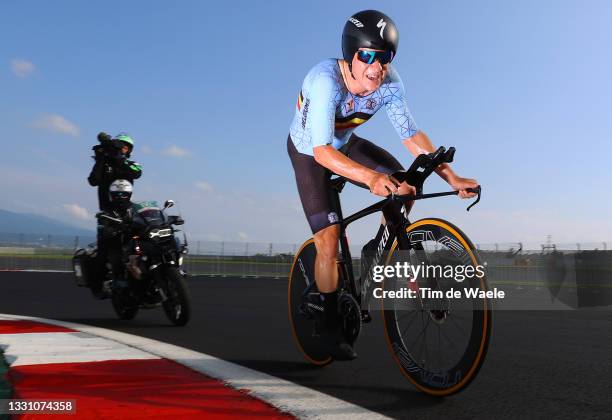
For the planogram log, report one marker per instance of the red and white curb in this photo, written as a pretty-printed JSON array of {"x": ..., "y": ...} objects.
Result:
[{"x": 112, "y": 374}]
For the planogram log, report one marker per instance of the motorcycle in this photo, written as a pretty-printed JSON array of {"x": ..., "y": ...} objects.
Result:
[{"x": 153, "y": 259}]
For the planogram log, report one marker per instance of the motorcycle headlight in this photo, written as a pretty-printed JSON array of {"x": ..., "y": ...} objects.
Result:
[
  {"x": 160, "y": 233},
  {"x": 180, "y": 260}
]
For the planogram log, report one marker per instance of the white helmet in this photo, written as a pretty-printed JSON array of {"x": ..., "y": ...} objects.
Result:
[{"x": 120, "y": 191}]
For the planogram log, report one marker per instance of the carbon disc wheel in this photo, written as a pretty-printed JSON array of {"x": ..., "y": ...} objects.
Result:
[{"x": 304, "y": 306}]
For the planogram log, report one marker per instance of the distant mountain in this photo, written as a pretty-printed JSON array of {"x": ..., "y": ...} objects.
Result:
[{"x": 28, "y": 224}]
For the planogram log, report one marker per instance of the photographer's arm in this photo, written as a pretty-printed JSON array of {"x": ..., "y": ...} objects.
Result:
[
  {"x": 95, "y": 177},
  {"x": 128, "y": 170}
]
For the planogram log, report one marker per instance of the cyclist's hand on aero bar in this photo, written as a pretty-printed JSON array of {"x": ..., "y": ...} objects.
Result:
[
  {"x": 383, "y": 184},
  {"x": 461, "y": 184}
]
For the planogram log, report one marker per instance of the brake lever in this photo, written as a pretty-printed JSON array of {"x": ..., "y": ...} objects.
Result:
[{"x": 476, "y": 190}]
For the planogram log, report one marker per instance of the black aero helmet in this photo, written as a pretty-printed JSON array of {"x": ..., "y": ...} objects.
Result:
[{"x": 368, "y": 29}]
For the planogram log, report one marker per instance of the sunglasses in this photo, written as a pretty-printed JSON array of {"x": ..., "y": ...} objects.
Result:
[{"x": 368, "y": 57}]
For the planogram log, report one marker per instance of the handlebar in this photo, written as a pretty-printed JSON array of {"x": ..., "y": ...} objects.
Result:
[
  {"x": 107, "y": 217},
  {"x": 411, "y": 197},
  {"x": 423, "y": 166}
]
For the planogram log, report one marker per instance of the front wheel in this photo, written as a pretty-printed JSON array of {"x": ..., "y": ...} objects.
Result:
[
  {"x": 124, "y": 306},
  {"x": 178, "y": 303},
  {"x": 438, "y": 340}
]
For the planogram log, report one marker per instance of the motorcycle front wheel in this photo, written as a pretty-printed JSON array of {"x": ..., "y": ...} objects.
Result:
[{"x": 177, "y": 306}]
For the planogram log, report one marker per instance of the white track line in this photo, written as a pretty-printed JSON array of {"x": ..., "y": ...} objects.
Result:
[
  {"x": 65, "y": 347},
  {"x": 287, "y": 396}
]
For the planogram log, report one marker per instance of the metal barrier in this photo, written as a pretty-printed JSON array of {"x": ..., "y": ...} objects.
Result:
[{"x": 506, "y": 262}]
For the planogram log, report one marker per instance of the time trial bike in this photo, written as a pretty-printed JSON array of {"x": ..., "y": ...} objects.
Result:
[{"x": 438, "y": 340}]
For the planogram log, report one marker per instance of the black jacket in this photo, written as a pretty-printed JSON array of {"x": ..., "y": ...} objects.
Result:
[{"x": 108, "y": 229}]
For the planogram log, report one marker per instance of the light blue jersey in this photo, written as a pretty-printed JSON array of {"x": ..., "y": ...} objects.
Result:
[{"x": 327, "y": 113}]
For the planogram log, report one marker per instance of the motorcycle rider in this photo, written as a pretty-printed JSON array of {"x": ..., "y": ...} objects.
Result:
[
  {"x": 110, "y": 233},
  {"x": 112, "y": 163}
]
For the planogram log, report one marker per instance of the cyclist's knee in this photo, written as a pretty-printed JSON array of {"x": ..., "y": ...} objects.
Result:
[{"x": 326, "y": 242}]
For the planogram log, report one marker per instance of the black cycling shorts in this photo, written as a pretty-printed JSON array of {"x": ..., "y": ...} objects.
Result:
[{"x": 313, "y": 179}]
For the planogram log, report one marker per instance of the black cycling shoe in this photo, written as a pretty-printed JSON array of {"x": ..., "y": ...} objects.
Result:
[
  {"x": 338, "y": 348},
  {"x": 343, "y": 351}
]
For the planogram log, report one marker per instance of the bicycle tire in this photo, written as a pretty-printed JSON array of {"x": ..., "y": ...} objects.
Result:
[
  {"x": 458, "y": 376},
  {"x": 302, "y": 273}
]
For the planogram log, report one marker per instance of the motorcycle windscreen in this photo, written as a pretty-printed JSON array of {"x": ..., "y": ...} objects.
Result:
[{"x": 148, "y": 213}]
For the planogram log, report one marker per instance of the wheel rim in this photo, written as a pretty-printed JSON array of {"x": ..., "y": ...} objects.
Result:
[{"x": 414, "y": 361}]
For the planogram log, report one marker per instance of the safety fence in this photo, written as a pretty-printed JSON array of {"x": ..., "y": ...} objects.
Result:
[
  {"x": 505, "y": 261},
  {"x": 578, "y": 275}
]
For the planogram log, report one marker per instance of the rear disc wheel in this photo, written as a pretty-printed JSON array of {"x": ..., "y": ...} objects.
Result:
[{"x": 305, "y": 309}]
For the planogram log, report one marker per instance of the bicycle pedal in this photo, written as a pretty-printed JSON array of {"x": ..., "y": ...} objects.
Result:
[{"x": 366, "y": 318}]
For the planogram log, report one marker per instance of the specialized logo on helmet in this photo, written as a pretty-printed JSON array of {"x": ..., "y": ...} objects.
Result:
[
  {"x": 381, "y": 24},
  {"x": 355, "y": 22}
]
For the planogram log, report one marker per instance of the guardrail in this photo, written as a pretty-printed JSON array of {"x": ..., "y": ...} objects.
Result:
[
  {"x": 505, "y": 261},
  {"x": 580, "y": 274}
]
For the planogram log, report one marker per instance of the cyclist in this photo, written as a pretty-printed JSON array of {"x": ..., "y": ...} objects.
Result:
[{"x": 337, "y": 96}]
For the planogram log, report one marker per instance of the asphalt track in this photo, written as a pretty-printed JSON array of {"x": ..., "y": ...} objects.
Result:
[{"x": 540, "y": 364}]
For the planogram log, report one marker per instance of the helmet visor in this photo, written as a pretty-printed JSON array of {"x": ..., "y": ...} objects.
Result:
[
  {"x": 368, "y": 57},
  {"x": 120, "y": 195}
]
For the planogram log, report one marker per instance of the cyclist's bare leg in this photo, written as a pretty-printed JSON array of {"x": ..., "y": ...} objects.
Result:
[
  {"x": 326, "y": 277},
  {"x": 326, "y": 268}
]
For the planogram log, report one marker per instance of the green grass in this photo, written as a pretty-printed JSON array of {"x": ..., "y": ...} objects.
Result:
[
  {"x": 37, "y": 256},
  {"x": 191, "y": 260}
]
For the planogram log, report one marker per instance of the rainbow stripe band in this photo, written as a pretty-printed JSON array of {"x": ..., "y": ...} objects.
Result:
[{"x": 351, "y": 121}]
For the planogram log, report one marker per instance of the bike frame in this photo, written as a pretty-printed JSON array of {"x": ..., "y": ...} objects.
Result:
[
  {"x": 394, "y": 212},
  {"x": 396, "y": 217}
]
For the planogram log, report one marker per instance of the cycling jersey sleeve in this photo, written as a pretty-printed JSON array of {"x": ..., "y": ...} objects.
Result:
[
  {"x": 397, "y": 107},
  {"x": 320, "y": 103}
]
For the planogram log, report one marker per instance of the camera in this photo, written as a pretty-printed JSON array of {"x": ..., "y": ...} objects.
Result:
[{"x": 108, "y": 148}]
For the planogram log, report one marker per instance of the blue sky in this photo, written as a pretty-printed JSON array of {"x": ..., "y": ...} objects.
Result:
[{"x": 522, "y": 90}]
